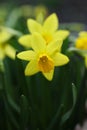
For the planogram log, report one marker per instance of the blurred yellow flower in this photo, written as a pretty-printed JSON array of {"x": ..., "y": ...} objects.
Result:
[
  {"x": 81, "y": 41},
  {"x": 5, "y": 47},
  {"x": 81, "y": 44},
  {"x": 48, "y": 30},
  {"x": 43, "y": 58}
]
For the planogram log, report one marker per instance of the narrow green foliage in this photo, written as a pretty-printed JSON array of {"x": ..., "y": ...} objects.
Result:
[
  {"x": 24, "y": 112},
  {"x": 66, "y": 116}
]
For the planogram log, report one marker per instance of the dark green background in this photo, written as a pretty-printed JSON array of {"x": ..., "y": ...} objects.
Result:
[{"x": 67, "y": 10}]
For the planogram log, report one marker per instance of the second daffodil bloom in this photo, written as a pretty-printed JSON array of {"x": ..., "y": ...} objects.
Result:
[
  {"x": 48, "y": 30},
  {"x": 5, "y": 48},
  {"x": 81, "y": 45},
  {"x": 43, "y": 58}
]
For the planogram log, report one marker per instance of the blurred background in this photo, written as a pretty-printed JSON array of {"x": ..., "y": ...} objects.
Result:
[{"x": 67, "y": 10}]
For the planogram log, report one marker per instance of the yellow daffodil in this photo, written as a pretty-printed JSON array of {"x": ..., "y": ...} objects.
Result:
[
  {"x": 81, "y": 45},
  {"x": 43, "y": 58},
  {"x": 81, "y": 41},
  {"x": 5, "y": 47},
  {"x": 48, "y": 30}
]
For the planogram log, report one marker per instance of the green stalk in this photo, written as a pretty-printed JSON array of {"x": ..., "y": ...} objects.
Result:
[{"x": 80, "y": 104}]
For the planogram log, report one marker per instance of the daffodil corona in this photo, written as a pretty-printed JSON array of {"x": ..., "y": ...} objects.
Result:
[
  {"x": 45, "y": 63},
  {"x": 48, "y": 30},
  {"x": 43, "y": 58}
]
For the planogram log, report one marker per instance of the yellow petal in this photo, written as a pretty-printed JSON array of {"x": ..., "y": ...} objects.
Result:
[
  {"x": 83, "y": 34},
  {"x": 60, "y": 59},
  {"x": 63, "y": 34},
  {"x": 2, "y": 54},
  {"x": 10, "y": 51},
  {"x": 25, "y": 40},
  {"x": 34, "y": 26},
  {"x": 54, "y": 46},
  {"x": 38, "y": 42},
  {"x": 31, "y": 68},
  {"x": 51, "y": 23},
  {"x": 49, "y": 76},
  {"x": 4, "y": 35},
  {"x": 26, "y": 55}
]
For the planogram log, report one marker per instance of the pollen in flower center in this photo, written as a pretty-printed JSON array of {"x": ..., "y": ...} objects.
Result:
[
  {"x": 45, "y": 63},
  {"x": 48, "y": 37},
  {"x": 81, "y": 43}
]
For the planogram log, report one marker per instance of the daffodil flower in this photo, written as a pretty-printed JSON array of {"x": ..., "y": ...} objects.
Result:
[
  {"x": 81, "y": 45},
  {"x": 5, "y": 47},
  {"x": 43, "y": 58},
  {"x": 81, "y": 41},
  {"x": 48, "y": 30}
]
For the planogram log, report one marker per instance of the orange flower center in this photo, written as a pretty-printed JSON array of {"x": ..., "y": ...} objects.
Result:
[{"x": 45, "y": 63}]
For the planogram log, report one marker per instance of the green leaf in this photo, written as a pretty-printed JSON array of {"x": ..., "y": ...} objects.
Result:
[
  {"x": 56, "y": 117},
  {"x": 21, "y": 79},
  {"x": 24, "y": 115},
  {"x": 66, "y": 116},
  {"x": 10, "y": 115},
  {"x": 13, "y": 17},
  {"x": 8, "y": 86}
]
